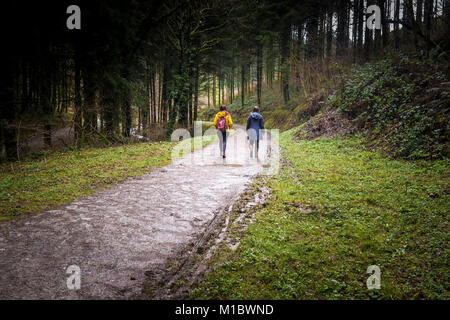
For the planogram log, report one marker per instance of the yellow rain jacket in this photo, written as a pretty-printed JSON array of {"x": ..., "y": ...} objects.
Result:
[{"x": 228, "y": 119}]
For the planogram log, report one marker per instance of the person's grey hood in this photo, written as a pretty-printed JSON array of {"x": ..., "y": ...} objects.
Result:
[{"x": 256, "y": 115}]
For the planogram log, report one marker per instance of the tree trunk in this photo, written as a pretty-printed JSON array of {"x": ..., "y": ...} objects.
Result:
[
  {"x": 360, "y": 24},
  {"x": 259, "y": 72},
  {"x": 77, "y": 116},
  {"x": 242, "y": 84},
  {"x": 355, "y": 29},
  {"x": 7, "y": 111},
  {"x": 396, "y": 24},
  {"x": 214, "y": 91},
  {"x": 90, "y": 123},
  {"x": 126, "y": 111},
  {"x": 385, "y": 13},
  {"x": 428, "y": 16},
  {"x": 232, "y": 83},
  {"x": 164, "y": 93},
  {"x": 208, "y": 89},
  {"x": 153, "y": 88},
  {"x": 329, "y": 32},
  {"x": 419, "y": 11},
  {"x": 196, "y": 84},
  {"x": 285, "y": 66},
  {"x": 219, "y": 85},
  {"x": 341, "y": 30},
  {"x": 270, "y": 65},
  {"x": 368, "y": 38},
  {"x": 190, "y": 93},
  {"x": 312, "y": 45},
  {"x": 378, "y": 39}
]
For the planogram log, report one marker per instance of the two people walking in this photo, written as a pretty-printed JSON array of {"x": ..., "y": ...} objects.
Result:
[{"x": 223, "y": 123}]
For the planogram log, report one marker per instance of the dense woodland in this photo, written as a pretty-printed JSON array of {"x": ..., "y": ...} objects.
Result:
[{"x": 145, "y": 65}]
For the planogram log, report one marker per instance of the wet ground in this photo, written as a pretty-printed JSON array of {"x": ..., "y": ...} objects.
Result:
[{"x": 118, "y": 235}]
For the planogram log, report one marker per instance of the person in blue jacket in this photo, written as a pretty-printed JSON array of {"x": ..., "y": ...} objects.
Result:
[{"x": 255, "y": 123}]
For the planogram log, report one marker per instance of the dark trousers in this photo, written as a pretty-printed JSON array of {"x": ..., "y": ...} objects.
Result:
[
  {"x": 223, "y": 135},
  {"x": 253, "y": 142}
]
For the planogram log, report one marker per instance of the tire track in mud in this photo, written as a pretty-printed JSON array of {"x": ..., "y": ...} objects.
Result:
[{"x": 129, "y": 234}]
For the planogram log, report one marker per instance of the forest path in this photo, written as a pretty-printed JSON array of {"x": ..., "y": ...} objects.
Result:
[{"x": 117, "y": 234}]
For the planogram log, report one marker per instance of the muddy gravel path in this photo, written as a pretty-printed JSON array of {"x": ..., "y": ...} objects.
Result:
[{"x": 118, "y": 235}]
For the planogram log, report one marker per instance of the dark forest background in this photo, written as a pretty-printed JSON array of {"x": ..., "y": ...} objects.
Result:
[{"x": 150, "y": 66}]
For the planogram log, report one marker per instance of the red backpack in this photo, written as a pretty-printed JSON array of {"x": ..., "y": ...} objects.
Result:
[{"x": 222, "y": 123}]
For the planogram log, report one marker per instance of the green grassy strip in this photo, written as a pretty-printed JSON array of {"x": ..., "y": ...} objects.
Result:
[{"x": 337, "y": 209}]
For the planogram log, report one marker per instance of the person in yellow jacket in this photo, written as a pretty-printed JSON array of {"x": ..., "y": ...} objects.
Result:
[{"x": 223, "y": 123}]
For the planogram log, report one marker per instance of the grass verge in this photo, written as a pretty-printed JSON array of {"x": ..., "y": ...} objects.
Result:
[{"x": 336, "y": 209}]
